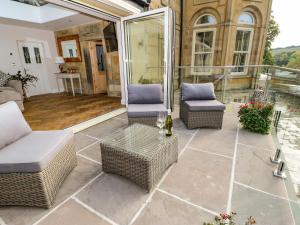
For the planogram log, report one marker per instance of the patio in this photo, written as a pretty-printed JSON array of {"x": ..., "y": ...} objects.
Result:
[{"x": 218, "y": 171}]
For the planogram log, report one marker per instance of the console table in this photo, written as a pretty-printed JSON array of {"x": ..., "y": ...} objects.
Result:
[{"x": 71, "y": 76}]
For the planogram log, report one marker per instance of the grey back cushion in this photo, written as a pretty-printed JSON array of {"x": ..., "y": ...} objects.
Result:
[
  {"x": 203, "y": 91},
  {"x": 12, "y": 124},
  {"x": 144, "y": 94}
]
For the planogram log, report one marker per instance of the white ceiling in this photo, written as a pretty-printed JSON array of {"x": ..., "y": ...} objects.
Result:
[
  {"x": 47, "y": 17},
  {"x": 59, "y": 24}
]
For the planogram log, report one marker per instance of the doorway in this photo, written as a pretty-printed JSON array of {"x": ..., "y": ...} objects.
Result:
[
  {"x": 98, "y": 66},
  {"x": 148, "y": 55},
  {"x": 32, "y": 57}
]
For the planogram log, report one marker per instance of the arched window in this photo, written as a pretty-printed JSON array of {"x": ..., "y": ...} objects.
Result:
[
  {"x": 246, "y": 18},
  {"x": 243, "y": 42},
  {"x": 203, "y": 43},
  {"x": 206, "y": 20}
]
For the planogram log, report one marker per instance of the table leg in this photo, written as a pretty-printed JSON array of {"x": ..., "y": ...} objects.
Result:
[
  {"x": 80, "y": 86},
  {"x": 65, "y": 85},
  {"x": 72, "y": 85},
  {"x": 57, "y": 85}
]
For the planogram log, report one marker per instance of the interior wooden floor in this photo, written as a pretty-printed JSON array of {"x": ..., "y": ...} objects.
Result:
[{"x": 59, "y": 111}]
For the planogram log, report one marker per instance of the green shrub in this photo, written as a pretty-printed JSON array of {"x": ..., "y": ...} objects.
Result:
[{"x": 256, "y": 117}]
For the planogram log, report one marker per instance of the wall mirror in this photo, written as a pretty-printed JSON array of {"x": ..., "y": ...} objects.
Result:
[{"x": 69, "y": 48}]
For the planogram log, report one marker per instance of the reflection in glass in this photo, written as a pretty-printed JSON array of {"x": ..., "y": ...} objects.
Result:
[
  {"x": 246, "y": 18},
  {"x": 26, "y": 55},
  {"x": 37, "y": 54},
  {"x": 203, "y": 53},
  {"x": 242, "y": 49},
  {"x": 145, "y": 49},
  {"x": 242, "y": 40},
  {"x": 204, "y": 41},
  {"x": 206, "y": 20},
  {"x": 69, "y": 49},
  {"x": 239, "y": 60}
]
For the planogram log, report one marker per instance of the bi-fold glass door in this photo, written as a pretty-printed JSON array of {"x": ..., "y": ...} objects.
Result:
[{"x": 148, "y": 50}]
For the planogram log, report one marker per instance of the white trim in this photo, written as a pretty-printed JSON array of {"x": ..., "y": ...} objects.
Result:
[
  {"x": 290, "y": 206},
  {"x": 210, "y": 153},
  {"x": 126, "y": 68},
  {"x": 67, "y": 199},
  {"x": 88, "y": 146},
  {"x": 89, "y": 159},
  {"x": 248, "y": 52},
  {"x": 188, "y": 202},
  {"x": 100, "y": 215},
  {"x": 84, "y": 125},
  {"x": 199, "y": 30},
  {"x": 232, "y": 175},
  {"x": 205, "y": 24},
  {"x": 123, "y": 80},
  {"x": 100, "y": 13},
  {"x": 264, "y": 192},
  {"x": 159, "y": 183}
]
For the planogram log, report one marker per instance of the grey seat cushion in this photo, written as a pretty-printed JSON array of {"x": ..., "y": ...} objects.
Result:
[
  {"x": 203, "y": 91},
  {"x": 145, "y": 94},
  {"x": 145, "y": 110},
  {"x": 12, "y": 124},
  {"x": 204, "y": 105},
  {"x": 33, "y": 152}
]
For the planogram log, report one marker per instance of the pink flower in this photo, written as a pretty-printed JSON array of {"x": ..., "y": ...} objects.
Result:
[
  {"x": 224, "y": 216},
  {"x": 245, "y": 106}
]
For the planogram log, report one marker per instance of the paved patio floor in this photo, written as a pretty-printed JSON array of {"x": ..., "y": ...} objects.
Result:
[{"x": 218, "y": 171}]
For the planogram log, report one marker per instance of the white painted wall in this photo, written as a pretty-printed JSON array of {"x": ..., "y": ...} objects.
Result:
[{"x": 10, "y": 59}]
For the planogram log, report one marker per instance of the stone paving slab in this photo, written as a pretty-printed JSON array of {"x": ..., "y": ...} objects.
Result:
[{"x": 215, "y": 172}]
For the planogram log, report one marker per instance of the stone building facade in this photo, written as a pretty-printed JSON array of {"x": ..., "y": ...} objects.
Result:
[
  {"x": 228, "y": 21},
  {"x": 217, "y": 33},
  {"x": 226, "y": 14}
]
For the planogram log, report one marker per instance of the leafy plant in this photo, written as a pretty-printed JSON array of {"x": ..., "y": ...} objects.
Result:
[
  {"x": 27, "y": 79},
  {"x": 256, "y": 117},
  {"x": 228, "y": 219},
  {"x": 272, "y": 32}
]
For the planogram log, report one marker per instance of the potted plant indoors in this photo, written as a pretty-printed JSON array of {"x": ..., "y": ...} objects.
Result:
[
  {"x": 256, "y": 116},
  {"x": 26, "y": 80}
]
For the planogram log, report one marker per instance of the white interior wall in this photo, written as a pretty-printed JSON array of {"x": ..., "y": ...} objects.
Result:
[{"x": 10, "y": 60}]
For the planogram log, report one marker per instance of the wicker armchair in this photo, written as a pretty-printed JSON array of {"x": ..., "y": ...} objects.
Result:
[
  {"x": 33, "y": 164},
  {"x": 144, "y": 103},
  {"x": 199, "y": 107}
]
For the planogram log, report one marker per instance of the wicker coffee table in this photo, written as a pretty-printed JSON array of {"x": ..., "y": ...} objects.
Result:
[{"x": 139, "y": 154}]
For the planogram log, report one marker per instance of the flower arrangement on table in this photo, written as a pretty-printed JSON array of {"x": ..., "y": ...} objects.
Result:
[
  {"x": 256, "y": 116},
  {"x": 228, "y": 219}
]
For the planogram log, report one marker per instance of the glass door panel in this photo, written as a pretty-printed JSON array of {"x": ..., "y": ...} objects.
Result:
[{"x": 147, "y": 49}]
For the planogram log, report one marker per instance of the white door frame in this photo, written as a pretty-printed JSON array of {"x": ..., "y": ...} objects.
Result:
[
  {"x": 42, "y": 79},
  {"x": 167, "y": 45},
  {"x": 106, "y": 16},
  {"x": 168, "y": 51}
]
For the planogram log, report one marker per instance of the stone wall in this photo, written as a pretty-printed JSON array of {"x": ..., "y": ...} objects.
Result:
[
  {"x": 87, "y": 33},
  {"x": 227, "y": 13}
]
